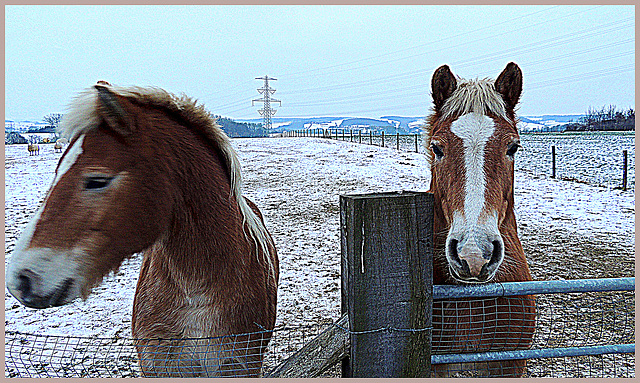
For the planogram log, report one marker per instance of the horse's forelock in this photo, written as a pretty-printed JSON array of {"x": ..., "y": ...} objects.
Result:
[{"x": 475, "y": 96}]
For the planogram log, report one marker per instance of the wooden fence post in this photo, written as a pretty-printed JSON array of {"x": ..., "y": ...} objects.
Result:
[
  {"x": 382, "y": 139},
  {"x": 416, "y": 143},
  {"x": 553, "y": 161},
  {"x": 397, "y": 141},
  {"x": 624, "y": 170},
  {"x": 386, "y": 246}
]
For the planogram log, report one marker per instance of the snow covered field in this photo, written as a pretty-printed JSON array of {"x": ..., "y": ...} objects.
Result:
[{"x": 569, "y": 230}]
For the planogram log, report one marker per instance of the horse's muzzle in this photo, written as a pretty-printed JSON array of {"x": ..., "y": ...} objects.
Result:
[
  {"x": 26, "y": 291},
  {"x": 471, "y": 265}
]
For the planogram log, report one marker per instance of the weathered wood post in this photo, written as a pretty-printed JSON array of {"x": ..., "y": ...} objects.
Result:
[
  {"x": 397, "y": 141},
  {"x": 416, "y": 143},
  {"x": 553, "y": 161},
  {"x": 624, "y": 170},
  {"x": 382, "y": 139},
  {"x": 370, "y": 137},
  {"x": 359, "y": 136},
  {"x": 386, "y": 246}
]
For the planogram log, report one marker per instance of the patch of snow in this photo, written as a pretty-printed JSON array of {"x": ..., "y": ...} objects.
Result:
[{"x": 296, "y": 183}]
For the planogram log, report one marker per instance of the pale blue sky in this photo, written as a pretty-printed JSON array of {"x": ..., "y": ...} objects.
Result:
[{"x": 367, "y": 61}]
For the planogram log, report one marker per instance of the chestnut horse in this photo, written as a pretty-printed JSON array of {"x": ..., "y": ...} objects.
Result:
[
  {"x": 148, "y": 171},
  {"x": 472, "y": 140}
]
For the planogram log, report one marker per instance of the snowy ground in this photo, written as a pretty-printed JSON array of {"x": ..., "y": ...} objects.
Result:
[{"x": 569, "y": 230}]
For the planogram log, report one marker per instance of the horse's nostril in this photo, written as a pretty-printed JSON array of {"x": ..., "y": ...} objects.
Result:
[
  {"x": 497, "y": 252},
  {"x": 24, "y": 286},
  {"x": 453, "y": 249},
  {"x": 24, "y": 283}
]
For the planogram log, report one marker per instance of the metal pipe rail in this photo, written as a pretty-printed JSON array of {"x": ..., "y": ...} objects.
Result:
[
  {"x": 505, "y": 289},
  {"x": 533, "y": 353}
]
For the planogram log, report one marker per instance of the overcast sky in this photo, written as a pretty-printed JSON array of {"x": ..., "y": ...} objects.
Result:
[{"x": 367, "y": 61}]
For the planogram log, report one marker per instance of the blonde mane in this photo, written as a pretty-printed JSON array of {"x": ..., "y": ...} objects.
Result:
[
  {"x": 474, "y": 96},
  {"x": 83, "y": 116}
]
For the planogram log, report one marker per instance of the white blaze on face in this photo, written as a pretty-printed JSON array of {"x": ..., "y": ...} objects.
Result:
[
  {"x": 51, "y": 265},
  {"x": 473, "y": 230},
  {"x": 69, "y": 159},
  {"x": 475, "y": 130}
]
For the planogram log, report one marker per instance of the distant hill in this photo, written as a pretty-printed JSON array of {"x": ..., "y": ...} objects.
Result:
[
  {"x": 404, "y": 125},
  {"x": 389, "y": 124}
]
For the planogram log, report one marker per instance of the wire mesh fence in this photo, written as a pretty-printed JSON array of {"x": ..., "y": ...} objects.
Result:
[
  {"x": 59, "y": 356},
  {"x": 587, "y": 327},
  {"x": 595, "y": 330},
  {"x": 591, "y": 158}
]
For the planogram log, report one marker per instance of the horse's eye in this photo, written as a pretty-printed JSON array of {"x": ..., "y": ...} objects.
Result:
[
  {"x": 97, "y": 182},
  {"x": 437, "y": 151},
  {"x": 513, "y": 148}
]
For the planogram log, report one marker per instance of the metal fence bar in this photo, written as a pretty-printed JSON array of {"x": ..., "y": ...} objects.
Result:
[
  {"x": 503, "y": 289},
  {"x": 534, "y": 353}
]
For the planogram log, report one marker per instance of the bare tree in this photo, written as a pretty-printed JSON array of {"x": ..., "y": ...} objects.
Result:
[{"x": 53, "y": 119}]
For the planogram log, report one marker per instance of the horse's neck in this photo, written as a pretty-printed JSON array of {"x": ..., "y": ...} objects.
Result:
[{"x": 205, "y": 236}]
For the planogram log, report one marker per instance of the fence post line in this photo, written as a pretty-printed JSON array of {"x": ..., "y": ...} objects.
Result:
[
  {"x": 553, "y": 161},
  {"x": 386, "y": 263},
  {"x": 624, "y": 170}
]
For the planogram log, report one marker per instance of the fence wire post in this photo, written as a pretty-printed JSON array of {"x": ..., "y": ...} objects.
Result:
[
  {"x": 624, "y": 170},
  {"x": 553, "y": 161},
  {"x": 386, "y": 247},
  {"x": 416, "y": 143}
]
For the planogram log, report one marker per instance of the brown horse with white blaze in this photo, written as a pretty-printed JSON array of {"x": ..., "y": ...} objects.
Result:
[
  {"x": 472, "y": 140},
  {"x": 146, "y": 171}
]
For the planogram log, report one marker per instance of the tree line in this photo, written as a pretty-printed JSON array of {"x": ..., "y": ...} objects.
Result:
[
  {"x": 606, "y": 118},
  {"x": 240, "y": 129},
  {"x": 230, "y": 127}
]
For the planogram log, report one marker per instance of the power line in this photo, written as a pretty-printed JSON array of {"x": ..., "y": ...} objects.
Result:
[
  {"x": 448, "y": 47},
  {"x": 294, "y": 74},
  {"x": 526, "y": 48}
]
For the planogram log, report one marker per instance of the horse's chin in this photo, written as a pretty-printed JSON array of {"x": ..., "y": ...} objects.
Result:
[{"x": 472, "y": 281}]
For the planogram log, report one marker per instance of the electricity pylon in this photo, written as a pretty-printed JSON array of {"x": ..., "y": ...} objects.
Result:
[{"x": 266, "y": 112}]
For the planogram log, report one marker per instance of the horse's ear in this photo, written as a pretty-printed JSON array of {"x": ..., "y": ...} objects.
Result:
[
  {"x": 509, "y": 85},
  {"x": 443, "y": 84},
  {"x": 111, "y": 109}
]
